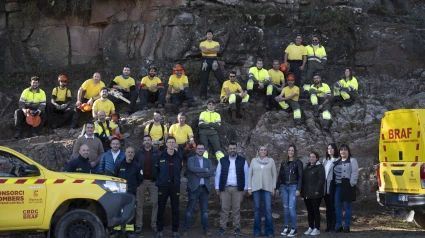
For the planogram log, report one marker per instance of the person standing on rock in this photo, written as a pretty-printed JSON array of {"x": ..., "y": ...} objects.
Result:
[
  {"x": 277, "y": 79},
  {"x": 289, "y": 184},
  {"x": 80, "y": 164},
  {"x": 127, "y": 86},
  {"x": 328, "y": 163},
  {"x": 296, "y": 56},
  {"x": 168, "y": 166},
  {"x": 343, "y": 187},
  {"x": 95, "y": 146},
  {"x": 178, "y": 88},
  {"x": 316, "y": 57},
  {"x": 231, "y": 183},
  {"x": 91, "y": 90},
  {"x": 312, "y": 192},
  {"x": 258, "y": 78},
  {"x": 31, "y": 104},
  {"x": 320, "y": 97},
  {"x": 209, "y": 122},
  {"x": 146, "y": 156},
  {"x": 151, "y": 90},
  {"x": 288, "y": 99},
  {"x": 103, "y": 104},
  {"x": 157, "y": 130},
  {"x": 58, "y": 110},
  {"x": 209, "y": 49},
  {"x": 111, "y": 158},
  {"x": 345, "y": 90},
  {"x": 261, "y": 184},
  {"x": 199, "y": 171},
  {"x": 183, "y": 134},
  {"x": 237, "y": 98}
]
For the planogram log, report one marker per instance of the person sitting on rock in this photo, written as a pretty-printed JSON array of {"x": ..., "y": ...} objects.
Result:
[
  {"x": 103, "y": 104},
  {"x": 105, "y": 130},
  {"x": 258, "y": 78},
  {"x": 209, "y": 122},
  {"x": 320, "y": 97},
  {"x": 80, "y": 164},
  {"x": 178, "y": 88},
  {"x": 345, "y": 90},
  {"x": 277, "y": 83},
  {"x": 151, "y": 90},
  {"x": 233, "y": 93},
  {"x": 288, "y": 99},
  {"x": 158, "y": 131},
  {"x": 184, "y": 136},
  {"x": 127, "y": 86},
  {"x": 91, "y": 90},
  {"x": 31, "y": 104},
  {"x": 58, "y": 110}
]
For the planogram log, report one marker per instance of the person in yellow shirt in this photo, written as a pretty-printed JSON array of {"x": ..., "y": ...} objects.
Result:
[
  {"x": 151, "y": 90},
  {"x": 178, "y": 88},
  {"x": 105, "y": 130},
  {"x": 296, "y": 56},
  {"x": 321, "y": 98},
  {"x": 184, "y": 136},
  {"x": 103, "y": 104},
  {"x": 33, "y": 99},
  {"x": 259, "y": 81},
  {"x": 316, "y": 58},
  {"x": 288, "y": 99},
  {"x": 345, "y": 90},
  {"x": 209, "y": 123},
  {"x": 91, "y": 91},
  {"x": 209, "y": 49},
  {"x": 277, "y": 83},
  {"x": 58, "y": 110},
  {"x": 237, "y": 98},
  {"x": 127, "y": 86},
  {"x": 157, "y": 131}
]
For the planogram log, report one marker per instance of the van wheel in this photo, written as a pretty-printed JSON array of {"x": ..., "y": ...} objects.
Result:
[
  {"x": 419, "y": 219},
  {"x": 79, "y": 223}
]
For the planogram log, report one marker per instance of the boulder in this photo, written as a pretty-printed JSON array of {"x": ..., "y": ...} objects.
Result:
[{"x": 84, "y": 43}]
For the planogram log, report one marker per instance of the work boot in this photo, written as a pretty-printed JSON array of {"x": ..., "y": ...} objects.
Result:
[
  {"x": 17, "y": 135},
  {"x": 33, "y": 133},
  {"x": 325, "y": 125},
  {"x": 242, "y": 113},
  {"x": 316, "y": 112},
  {"x": 233, "y": 118},
  {"x": 268, "y": 99},
  {"x": 297, "y": 122}
]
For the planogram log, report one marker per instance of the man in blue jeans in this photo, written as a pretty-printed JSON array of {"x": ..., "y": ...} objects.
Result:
[{"x": 199, "y": 171}]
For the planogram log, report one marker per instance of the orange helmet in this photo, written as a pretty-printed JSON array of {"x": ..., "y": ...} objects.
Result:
[
  {"x": 178, "y": 66},
  {"x": 62, "y": 77},
  {"x": 284, "y": 68},
  {"x": 291, "y": 77},
  {"x": 85, "y": 107}
]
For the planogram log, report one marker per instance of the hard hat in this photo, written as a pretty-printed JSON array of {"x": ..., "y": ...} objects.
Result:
[
  {"x": 291, "y": 77},
  {"x": 33, "y": 118},
  {"x": 284, "y": 68},
  {"x": 85, "y": 107},
  {"x": 63, "y": 77},
  {"x": 178, "y": 66}
]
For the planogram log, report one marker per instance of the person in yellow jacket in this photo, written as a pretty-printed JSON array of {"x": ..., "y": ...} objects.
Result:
[
  {"x": 277, "y": 79},
  {"x": 209, "y": 122},
  {"x": 288, "y": 99},
  {"x": 259, "y": 80},
  {"x": 127, "y": 86},
  {"x": 320, "y": 97},
  {"x": 345, "y": 90},
  {"x": 237, "y": 98},
  {"x": 316, "y": 57},
  {"x": 33, "y": 99}
]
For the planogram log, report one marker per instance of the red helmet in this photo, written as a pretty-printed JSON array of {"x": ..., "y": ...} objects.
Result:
[
  {"x": 178, "y": 66},
  {"x": 62, "y": 77},
  {"x": 291, "y": 77}
]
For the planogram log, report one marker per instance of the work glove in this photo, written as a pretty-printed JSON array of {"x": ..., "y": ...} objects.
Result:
[
  {"x": 204, "y": 65},
  {"x": 181, "y": 88},
  {"x": 215, "y": 65},
  {"x": 64, "y": 106}
]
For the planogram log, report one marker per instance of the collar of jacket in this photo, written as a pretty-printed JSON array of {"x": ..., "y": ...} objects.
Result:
[
  {"x": 36, "y": 91},
  {"x": 82, "y": 158}
]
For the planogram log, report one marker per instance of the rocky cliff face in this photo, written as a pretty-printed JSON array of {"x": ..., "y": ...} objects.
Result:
[{"x": 381, "y": 40}]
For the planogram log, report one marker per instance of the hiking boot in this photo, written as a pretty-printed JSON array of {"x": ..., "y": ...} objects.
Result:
[
  {"x": 285, "y": 231},
  {"x": 208, "y": 232},
  {"x": 17, "y": 135},
  {"x": 325, "y": 125},
  {"x": 297, "y": 122},
  {"x": 242, "y": 113},
  {"x": 293, "y": 232},
  {"x": 159, "y": 234},
  {"x": 338, "y": 229},
  {"x": 315, "y": 232},
  {"x": 220, "y": 232},
  {"x": 233, "y": 118},
  {"x": 176, "y": 234},
  {"x": 346, "y": 229},
  {"x": 238, "y": 232}
]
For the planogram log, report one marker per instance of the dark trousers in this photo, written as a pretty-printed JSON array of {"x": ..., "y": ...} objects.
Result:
[
  {"x": 58, "y": 118},
  {"x": 131, "y": 96},
  {"x": 214, "y": 140},
  {"x": 295, "y": 68},
  {"x": 20, "y": 121},
  {"x": 205, "y": 75},
  {"x": 313, "y": 206},
  {"x": 78, "y": 114},
  {"x": 163, "y": 193},
  {"x": 178, "y": 98},
  {"x": 202, "y": 195},
  {"x": 330, "y": 211},
  {"x": 271, "y": 101},
  {"x": 146, "y": 96}
]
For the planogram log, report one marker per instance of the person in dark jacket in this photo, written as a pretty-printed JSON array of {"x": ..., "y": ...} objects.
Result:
[
  {"x": 130, "y": 170},
  {"x": 145, "y": 156},
  {"x": 312, "y": 191},
  {"x": 111, "y": 158},
  {"x": 343, "y": 187},
  {"x": 80, "y": 164},
  {"x": 168, "y": 166},
  {"x": 289, "y": 184}
]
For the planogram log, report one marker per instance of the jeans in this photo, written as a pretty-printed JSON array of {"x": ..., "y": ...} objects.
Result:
[
  {"x": 268, "y": 224},
  {"x": 202, "y": 195},
  {"x": 338, "y": 208},
  {"x": 289, "y": 200}
]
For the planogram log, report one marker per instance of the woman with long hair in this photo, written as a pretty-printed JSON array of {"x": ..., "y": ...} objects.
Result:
[
  {"x": 344, "y": 182},
  {"x": 261, "y": 184},
  {"x": 345, "y": 90},
  {"x": 312, "y": 192},
  {"x": 328, "y": 163},
  {"x": 289, "y": 184}
]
